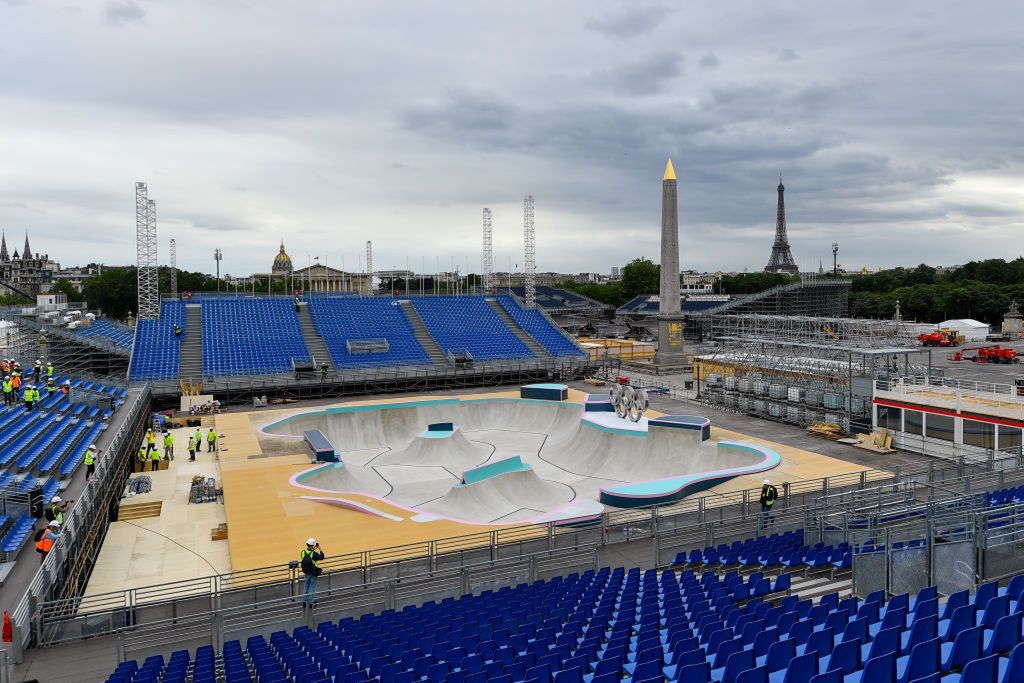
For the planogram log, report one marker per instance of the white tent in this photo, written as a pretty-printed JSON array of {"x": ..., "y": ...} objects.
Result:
[{"x": 972, "y": 330}]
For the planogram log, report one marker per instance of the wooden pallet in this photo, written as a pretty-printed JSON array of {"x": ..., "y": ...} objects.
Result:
[
  {"x": 826, "y": 430},
  {"x": 129, "y": 511},
  {"x": 219, "y": 532}
]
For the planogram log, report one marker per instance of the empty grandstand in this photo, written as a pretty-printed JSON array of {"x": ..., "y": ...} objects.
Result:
[
  {"x": 250, "y": 337},
  {"x": 120, "y": 335},
  {"x": 156, "y": 349},
  {"x": 349, "y": 326}
]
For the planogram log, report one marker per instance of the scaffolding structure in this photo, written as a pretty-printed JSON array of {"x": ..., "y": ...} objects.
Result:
[
  {"x": 174, "y": 269},
  {"x": 529, "y": 253},
  {"x": 83, "y": 357},
  {"x": 803, "y": 369},
  {"x": 828, "y": 330},
  {"x": 369, "y": 264},
  {"x": 488, "y": 264},
  {"x": 146, "y": 253}
]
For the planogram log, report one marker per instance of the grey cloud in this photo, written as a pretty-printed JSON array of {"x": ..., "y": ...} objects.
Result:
[
  {"x": 633, "y": 22},
  {"x": 648, "y": 76},
  {"x": 709, "y": 61},
  {"x": 121, "y": 12},
  {"x": 787, "y": 55},
  {"x": 476, "y": 114}
]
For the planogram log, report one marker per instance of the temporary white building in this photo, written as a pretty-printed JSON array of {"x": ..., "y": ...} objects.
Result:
[{"x": 972, "y": 330}]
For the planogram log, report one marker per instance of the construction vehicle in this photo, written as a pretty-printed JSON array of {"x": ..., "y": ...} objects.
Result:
[
  {"x": 986, "y": 354},
  {"x": 938, "y": 339}
]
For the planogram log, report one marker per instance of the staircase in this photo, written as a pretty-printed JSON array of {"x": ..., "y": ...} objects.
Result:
[
  {"x": 129, "y": 511},
  {"x": 190, "y": 350},
  {"x": 315, "y": 344},
  {"x": 513, "y": 327},
  {"x": 423, "y": 336}
]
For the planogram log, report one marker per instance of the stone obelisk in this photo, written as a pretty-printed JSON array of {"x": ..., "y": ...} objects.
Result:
[{"x": 670, "y": 317}]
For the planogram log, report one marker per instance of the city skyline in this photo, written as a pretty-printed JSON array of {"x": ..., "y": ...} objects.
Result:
[{"x": 893, "y": 126}]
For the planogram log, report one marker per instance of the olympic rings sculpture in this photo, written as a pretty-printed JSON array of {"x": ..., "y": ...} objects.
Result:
[{"x": 628, "y": 401}]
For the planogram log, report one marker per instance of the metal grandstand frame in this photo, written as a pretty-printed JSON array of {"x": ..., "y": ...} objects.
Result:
[
  {"x": 92, "y": 357},
  {"x": 146, "y": 254}
]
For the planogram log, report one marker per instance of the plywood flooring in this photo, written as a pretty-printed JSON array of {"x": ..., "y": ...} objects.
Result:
[{"x": 269, "y": 521}]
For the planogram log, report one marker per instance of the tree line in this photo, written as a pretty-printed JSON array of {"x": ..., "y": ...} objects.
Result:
[{"x": 982, "y": 290}]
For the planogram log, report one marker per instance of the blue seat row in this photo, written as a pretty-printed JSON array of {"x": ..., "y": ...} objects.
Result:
[
  {"x": 340, "y": 320},
  {"x": 15, "y": 537},
  {"x": 119, "y": 334},
  {"x": 541, "y": 329},
  {"x": 155, "y": 349},
  {"x": 251, "y": 337},
  {"x": 468, "y": 323}
]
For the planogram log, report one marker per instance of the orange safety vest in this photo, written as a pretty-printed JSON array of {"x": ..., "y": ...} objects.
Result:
[
  {"x": 44, "y": 544},
  {"x": 16, "y": 381}
]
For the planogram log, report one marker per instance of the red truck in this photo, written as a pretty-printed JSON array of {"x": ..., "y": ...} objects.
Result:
[{"x": 937, "y": 339}]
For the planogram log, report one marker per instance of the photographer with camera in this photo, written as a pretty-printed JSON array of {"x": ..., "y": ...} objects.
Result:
[{"x": 310, "y": 561}]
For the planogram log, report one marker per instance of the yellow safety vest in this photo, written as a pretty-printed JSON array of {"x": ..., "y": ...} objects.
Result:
[
  {"x": 89, "y": 456},
  {"x": 168, "y": 440}
]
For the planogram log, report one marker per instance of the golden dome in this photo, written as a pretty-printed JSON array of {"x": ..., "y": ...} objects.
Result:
[{"x": 282, "y": 262}]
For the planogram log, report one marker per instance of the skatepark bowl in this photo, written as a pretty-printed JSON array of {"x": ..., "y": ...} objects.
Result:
[{"x": 506, "y": 460}]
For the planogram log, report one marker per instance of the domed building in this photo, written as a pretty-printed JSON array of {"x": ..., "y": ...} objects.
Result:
[
  {"x": 282, "y": 262},
  {"x": 316, "y": 277}
]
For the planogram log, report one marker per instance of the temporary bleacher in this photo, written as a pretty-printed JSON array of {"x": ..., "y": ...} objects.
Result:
[
  {"x": 611, "y": 626},
  {"x": 119, "y": 335},
  {"x": 341, "y": 320},
  {"x": 155, "y": 352},
  {"x": 250, "y": 337},
  {"x": 541, "y": 329},
  {"x": 468, "y": 324}
]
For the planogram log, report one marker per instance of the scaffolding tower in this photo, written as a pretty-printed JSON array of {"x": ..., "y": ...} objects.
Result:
[
  {"x": 529, "y": 253},
  {"x": 488, "y": 253},
  {"x": 369, "y": 266},
  {"x": 146, "y": 253},
  {"x": 174, "y": 269}
]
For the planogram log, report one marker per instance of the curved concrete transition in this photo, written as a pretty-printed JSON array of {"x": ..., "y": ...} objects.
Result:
[{"x": 573, "y": 461}]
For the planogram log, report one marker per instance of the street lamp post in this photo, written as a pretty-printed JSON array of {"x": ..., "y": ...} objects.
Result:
[{"x": 217, "y": 256}]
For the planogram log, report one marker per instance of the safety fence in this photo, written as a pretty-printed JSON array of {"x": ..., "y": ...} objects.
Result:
[
  {"x": 944, "y": 535},
  {"x": 66, "y": 568}
]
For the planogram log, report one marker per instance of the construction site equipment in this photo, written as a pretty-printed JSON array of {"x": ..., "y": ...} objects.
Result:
[
  {"x": 986, "y": 354},
  {"x": 937, "y": 339}
]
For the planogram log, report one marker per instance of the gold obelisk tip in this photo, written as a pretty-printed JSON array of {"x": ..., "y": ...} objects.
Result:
[{"x": 670, "y": 172}]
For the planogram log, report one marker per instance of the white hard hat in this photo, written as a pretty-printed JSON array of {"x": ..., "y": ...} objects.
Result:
[
  {"x": 767, "y": 481},
  {"x": 92, "y": 446},
  {"x": 311, "y": 541},
  {"x": 55, "y": 524},
  {"x": 55, "y": 499}
]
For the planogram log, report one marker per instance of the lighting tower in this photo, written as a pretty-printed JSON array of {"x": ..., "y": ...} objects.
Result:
[
  {"x": 145, "y": 249},
  {"x": 835, "y": 257},
  {"x": 530, "y": 254},
  {"x": 218, "y": 255},
  {"x": 174, "y": 269},
  {"x": 488, "y": 253},
  {"x": 369, "y": 266}
]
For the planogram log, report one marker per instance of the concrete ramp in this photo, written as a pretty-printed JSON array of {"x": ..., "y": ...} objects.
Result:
[
  {"x": 501, "y": 497},
  {"x": 452, "y": 451}
]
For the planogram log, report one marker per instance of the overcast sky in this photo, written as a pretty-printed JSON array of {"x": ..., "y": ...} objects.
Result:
[{"x": 897, "y": 128}]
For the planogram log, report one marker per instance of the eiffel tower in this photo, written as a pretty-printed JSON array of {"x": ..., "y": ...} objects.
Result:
[{"x": 781, "y": 260}]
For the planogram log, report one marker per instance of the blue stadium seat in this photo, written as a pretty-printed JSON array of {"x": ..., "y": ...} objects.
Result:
[
  {"x": 468, "y": 323},
  {"x": 155, "y": 351},
  {"x": 251, "y": 337}
]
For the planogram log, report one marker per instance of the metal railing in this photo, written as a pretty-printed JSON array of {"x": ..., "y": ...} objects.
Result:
[
  {"x": 221, "y": 616},
  {"x": 67, "y": 565}
]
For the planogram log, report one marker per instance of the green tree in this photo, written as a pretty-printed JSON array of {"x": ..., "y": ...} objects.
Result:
[
  {"x": 640, "y": 276},
  {"x": 64, "y": 286},
  {"x": 114, "y": 292}
]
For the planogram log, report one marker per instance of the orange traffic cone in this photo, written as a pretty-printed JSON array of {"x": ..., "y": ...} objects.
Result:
[{"x": 8, "y": 630}]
